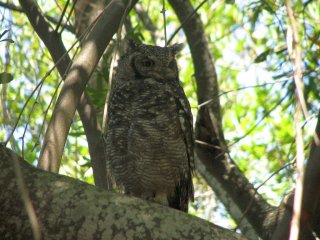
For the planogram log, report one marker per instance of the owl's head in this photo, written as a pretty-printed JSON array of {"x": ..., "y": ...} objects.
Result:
[{"x": 156, "y": 62}]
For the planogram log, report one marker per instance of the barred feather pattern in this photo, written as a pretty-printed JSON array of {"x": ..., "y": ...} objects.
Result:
[{"x": 149, "y": 137}]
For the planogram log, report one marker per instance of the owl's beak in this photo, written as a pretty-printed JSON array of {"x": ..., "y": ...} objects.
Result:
[
  {"x": 164, "y": 74},
  {"x": 168, "y": 73}
]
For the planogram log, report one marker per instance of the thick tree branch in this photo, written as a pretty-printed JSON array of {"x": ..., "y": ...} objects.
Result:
[
  {"x": 213, "y": 154},
  {"x": 69, "y": 209},
  {"x": 53, "y": 42},
  {"x": 311, "y": 187},
  {"x": 300, "y": 107},
  {"x": 49, "y": 37},
  {"x": 86, "y": 12},
  {"x": 310, "y": 209},
  {"x": 302, "y": 210},
  {"x": 75, "y": 82}
]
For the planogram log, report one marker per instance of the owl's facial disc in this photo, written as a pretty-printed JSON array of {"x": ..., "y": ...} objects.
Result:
[{"x": 151, "y": 66}]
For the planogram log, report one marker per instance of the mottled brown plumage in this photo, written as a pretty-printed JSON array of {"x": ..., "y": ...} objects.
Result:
[{"x": 149, "y": 139}]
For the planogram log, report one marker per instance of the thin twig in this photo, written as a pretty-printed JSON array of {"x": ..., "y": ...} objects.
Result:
[
  {"x": 11, "y": 7},
  {"x": 258, "y": 122},
  {"x": 51, "y": 101},
  {"x": 234, "y": 28},
  {"x": 106, "y": 104},
  {"x": 300, "y": 108},
  {"x": 147, "y": 22},
  {"x": 104, "y": 26},
  {"x": 62, "y": 15},
  {"x": 38, "y": 85},
  {"x": 184, "y": 21},
  {"x": 276, "y": 16},
  {"x": 276, "y": 172},
  {"x": 46, "y": 112},
  {"x": 292, "y": 162},
  {"x": 83, "y": 35},
  {"x": 69, "y": 15},
  {"x": 29, "y": 117},
  {"x": 209, "y": 145},
  {"x": 239, "y": 89},
  {"x": 163, "y": 11},
  {"x": 297, "y": 59},
  {"x": 25, "y": 105},
  {"x": 256, "y": 191},
  {"x": 15, "y": 8},
  {"x": 295, "y": 221},
  {"x": 113, "y": 60},
  {"x": 4, "y": 88}
]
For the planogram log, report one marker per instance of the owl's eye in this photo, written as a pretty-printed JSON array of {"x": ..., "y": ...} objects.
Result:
[{"x": 147, "y": 63}]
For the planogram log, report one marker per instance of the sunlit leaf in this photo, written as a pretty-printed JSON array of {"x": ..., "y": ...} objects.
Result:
[
  {"x": 5, "y": 77},
  {"x": 229, "y": 1},
  {"x": 264, "y": 142},
  {"x": 270, "y": 5},
  {"x": 263, "y": 56}
]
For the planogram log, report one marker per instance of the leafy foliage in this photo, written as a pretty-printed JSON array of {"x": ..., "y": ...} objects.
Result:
[
  {"x": 248, "y": 41},
  {"x": 5, "y": 77}
]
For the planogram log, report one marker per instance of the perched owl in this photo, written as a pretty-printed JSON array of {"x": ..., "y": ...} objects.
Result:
[{"x": 149, "y": 138}]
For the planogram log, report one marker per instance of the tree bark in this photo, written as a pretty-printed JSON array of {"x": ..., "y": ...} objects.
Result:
[
  {"x": 310, "y": 209},
  {"x": 211, "y": 147},
  {"x": 86, "y": 111},
  {"x": 66, "y": 208},
  {"x": 75, "y": 83}
]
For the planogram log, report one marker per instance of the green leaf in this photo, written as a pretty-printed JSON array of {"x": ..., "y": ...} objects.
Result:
[
  {"x": 76, "y": 133},
  {"x": 270, "y": 6},
  {"x": 262, "y": 56},
  {"x": 255, "y": 17},
  {"x": 229, "y": 1},
  {"x": 5, "y": 77}
]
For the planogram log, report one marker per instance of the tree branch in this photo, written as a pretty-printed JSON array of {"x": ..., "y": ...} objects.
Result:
[
  {"x": 10, "y": 6},
  {"x": 15, "y": 8},
  {"x": 76, "y": 80},
  {"x": 216, "y": 161},
  {"x": 69, "y": 209},
  {"x": 147, "y": 22},
  {"x": 306, "y": 197},
  {"x": 53, "y": 42},
  {"x": 310, "y": 209},
  {"x": 87, "y": 12},
  {"x": 311, "y": 187}
]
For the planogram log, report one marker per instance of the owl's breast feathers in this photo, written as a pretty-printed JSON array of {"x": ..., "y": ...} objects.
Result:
[{"x": 150, "y": 140}]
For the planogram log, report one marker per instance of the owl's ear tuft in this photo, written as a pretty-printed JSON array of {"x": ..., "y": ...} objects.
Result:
[
  {"x": 132, "y": 45},
  {"x": 175, "y": 48}
]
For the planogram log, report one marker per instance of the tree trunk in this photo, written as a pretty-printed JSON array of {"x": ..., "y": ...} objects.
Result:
[{"x": 66, "y": 208}]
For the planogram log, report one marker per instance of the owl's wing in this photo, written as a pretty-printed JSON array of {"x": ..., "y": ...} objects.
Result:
[
  {"x": 115, "y": 138},
  {"x": 186, "y": 122},
  {"x": 184, "y": 189}
]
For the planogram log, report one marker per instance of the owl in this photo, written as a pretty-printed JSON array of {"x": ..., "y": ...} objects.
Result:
[{"x": 149, "y": 136}]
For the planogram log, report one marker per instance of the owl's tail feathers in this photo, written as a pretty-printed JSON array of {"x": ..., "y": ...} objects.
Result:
[
  {"x": 110, "y": 184},
  {"x": 183, "y": 194}
]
